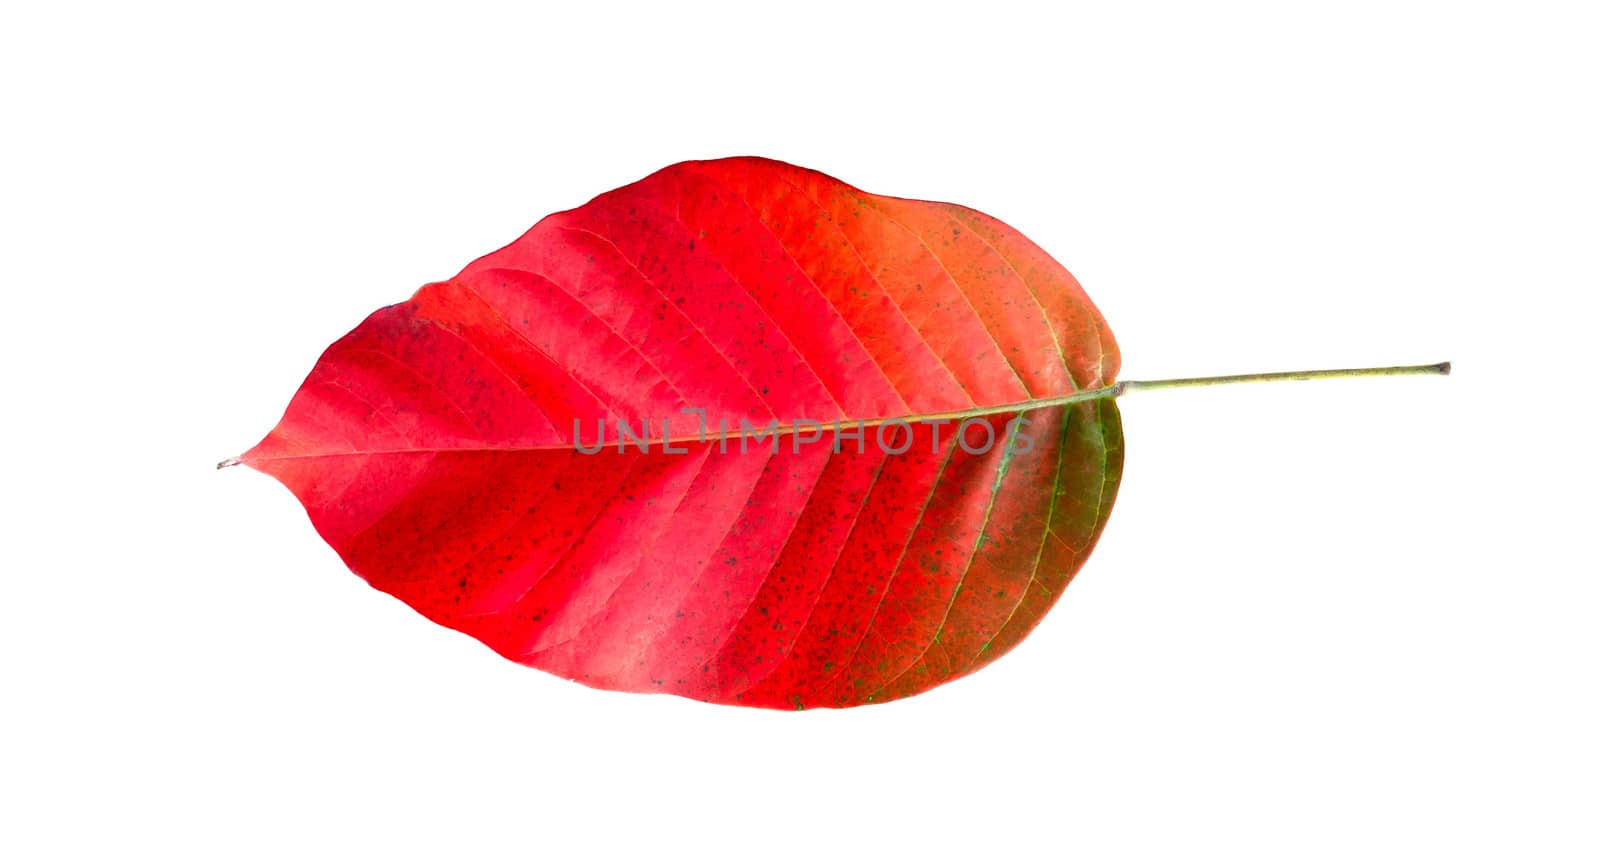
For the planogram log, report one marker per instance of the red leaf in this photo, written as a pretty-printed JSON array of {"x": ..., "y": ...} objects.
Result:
[{"x": 436, "y": 447}]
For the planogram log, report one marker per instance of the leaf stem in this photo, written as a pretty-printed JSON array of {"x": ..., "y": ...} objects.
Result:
[{"x": 1266, "y": 377}]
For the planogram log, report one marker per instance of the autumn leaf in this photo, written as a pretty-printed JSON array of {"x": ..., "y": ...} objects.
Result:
[{"x": 738, "y": 431}]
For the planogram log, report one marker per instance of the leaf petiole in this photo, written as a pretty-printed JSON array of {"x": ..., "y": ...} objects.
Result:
[{"x": 1265, "y": 377}]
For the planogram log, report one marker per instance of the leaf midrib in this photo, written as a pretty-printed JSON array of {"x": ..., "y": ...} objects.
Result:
[{"x": 762, "y": 433}]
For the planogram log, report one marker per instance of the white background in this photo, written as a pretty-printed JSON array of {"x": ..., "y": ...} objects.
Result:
[{"x": 1327, "y": 621}]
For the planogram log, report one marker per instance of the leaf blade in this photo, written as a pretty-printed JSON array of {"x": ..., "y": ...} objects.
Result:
[{"x": 434, "y": 447}]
